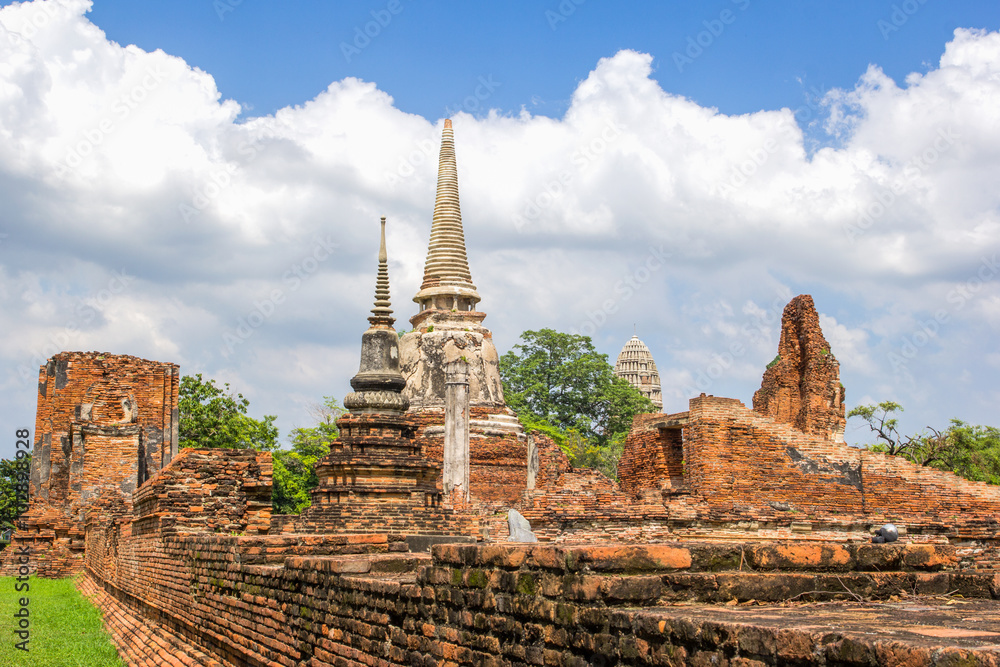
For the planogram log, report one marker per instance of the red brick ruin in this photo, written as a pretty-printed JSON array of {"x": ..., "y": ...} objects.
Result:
[
  {"x": 105, "y": 423},
  {"x": 802, "y": 387},
  {"x": 723, "y": 523}
]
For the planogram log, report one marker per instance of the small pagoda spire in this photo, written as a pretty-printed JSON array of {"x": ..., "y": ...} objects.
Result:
[
  {"x": 447, "y": 281},
  {"x": 378, "y": 384},
  {"x": 381, "y": 313}
]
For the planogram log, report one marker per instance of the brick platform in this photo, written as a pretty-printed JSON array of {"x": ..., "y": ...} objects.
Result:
[{"x": 216, "y": 600}]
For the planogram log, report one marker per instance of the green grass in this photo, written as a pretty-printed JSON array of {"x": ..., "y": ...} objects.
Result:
[{"x": 65, "y": 628}]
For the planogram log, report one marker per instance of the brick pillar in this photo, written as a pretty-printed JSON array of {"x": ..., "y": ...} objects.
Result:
[{"x": 456, "y": 428}]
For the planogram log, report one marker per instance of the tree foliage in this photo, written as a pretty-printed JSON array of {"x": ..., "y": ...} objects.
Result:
[
  {"x": 560, "y": 385},
  {"x": 969, "y": 451},
  {"x": 212, "y": 417},
  {"x": 12, "y": 473},
  {"x": 295, "y": 469}
]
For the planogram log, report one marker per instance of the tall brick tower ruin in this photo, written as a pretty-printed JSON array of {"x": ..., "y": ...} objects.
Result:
[
  {"x": 105, "y": 424},
  {"x": 802, "y": 386}
]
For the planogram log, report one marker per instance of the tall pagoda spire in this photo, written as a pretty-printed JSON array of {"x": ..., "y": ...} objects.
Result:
[{"x": 447, "y": 284}]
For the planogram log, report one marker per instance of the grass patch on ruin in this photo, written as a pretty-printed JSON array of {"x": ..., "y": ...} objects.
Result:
[{"x": 65, "y": 628}]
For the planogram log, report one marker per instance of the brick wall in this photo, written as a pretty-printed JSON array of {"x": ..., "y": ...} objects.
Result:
[
  {"x": 746, "y": 467},
  {"x": 653, "y": 459},
  {"x": 207, "y": 490},
  {"x": 255, "y": 601},
  {"x": 107, "y": 459}
]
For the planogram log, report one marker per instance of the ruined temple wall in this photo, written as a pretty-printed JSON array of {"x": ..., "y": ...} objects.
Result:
[
  {"x": 77, "y": 389},
  {"x": 652, "y": 460},
  {"x": 103, "y": 458},
  {"x": 743, "y": 463},
  {"x": 735, "y": 468},
  {"x": 211, "y": 490}
]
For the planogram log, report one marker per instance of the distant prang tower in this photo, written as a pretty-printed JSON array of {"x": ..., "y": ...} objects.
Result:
[
  {"x": 449, "y": 327},
  {"x": 635, "y": 364}
]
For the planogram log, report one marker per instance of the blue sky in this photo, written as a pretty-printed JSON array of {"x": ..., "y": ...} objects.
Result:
[
  {"x": 430, "y": 56},
  {"x": 746, "y": 151}
]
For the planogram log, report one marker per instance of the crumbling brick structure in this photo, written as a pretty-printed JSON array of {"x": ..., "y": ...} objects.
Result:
[
  {"x": 376, "y": 479},
  {"x": 802, "y": 386},
  {"x": 105, "y": 423},
  {"x": 752, "y": 471}
]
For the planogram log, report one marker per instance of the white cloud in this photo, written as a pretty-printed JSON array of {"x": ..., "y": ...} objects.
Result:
[{"x": 116, "y": 158}]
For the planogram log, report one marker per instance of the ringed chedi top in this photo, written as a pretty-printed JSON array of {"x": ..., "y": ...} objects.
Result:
[{"x": 447, "y": 286}]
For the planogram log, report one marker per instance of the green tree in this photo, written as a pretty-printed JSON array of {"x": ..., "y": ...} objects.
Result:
[
  {"x": 295, "y": 469},
  {"x": 974, "y": 452},
  {"x": 885, "y": 427},
  {"x": 212, "y": 417},
  {"x": 559, "y": 384},
  {"x": 969, "y": 451},
  {"x": 12, "y": 472}
]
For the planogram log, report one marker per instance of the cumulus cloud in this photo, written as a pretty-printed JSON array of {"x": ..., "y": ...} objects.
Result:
[{"x": 144, "y": 216}]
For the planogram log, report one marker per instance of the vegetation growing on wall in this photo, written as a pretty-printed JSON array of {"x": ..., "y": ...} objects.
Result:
[{"x": 969, "y": 451}]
